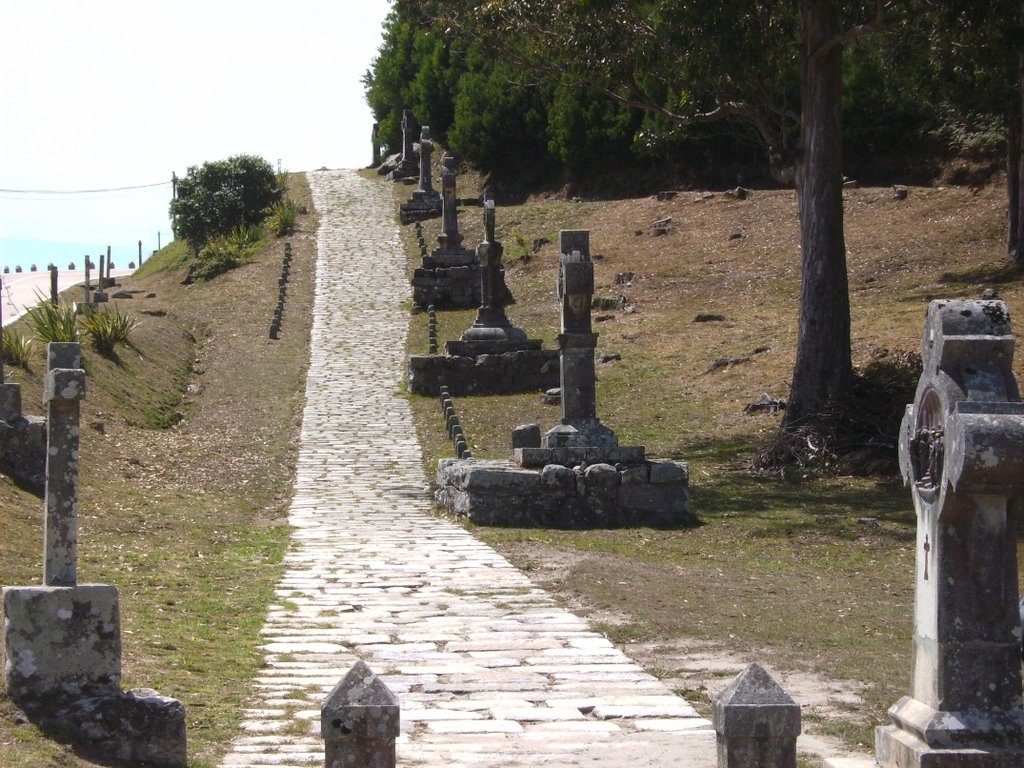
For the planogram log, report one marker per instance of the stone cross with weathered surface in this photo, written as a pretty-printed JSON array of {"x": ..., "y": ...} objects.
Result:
[
  {"x": 962, "y": 453},
  {"x": 577, "y": 342},
  {"x": 491, "y": 321},
  {"x": 63, "y": 391}
]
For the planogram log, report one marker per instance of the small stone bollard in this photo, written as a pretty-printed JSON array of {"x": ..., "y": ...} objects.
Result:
[
  {"x": 359, "y": 722},
  {"x": 757, "y": 722}
]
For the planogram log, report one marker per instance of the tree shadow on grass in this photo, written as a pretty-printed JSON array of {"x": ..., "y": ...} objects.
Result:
[{"x": 997, "y": 274}]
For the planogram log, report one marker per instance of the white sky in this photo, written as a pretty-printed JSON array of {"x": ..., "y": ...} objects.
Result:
[{"x": 117, "y": 93}]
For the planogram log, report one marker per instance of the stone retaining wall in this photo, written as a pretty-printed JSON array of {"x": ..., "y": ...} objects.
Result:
[
  {"x": 526, "y": 370},
  {"x": 447, "y": 287},
  {"x": 652, "y": 493}
]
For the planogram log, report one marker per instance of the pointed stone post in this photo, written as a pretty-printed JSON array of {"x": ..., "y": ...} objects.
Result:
[
  {"x": 360, "y": 722},
  {"x": 54, "y": 295},
  {"x": 87, "y": 286},
  {"x": 962, "y": 454},
  {"x": 756, "y": 722}
]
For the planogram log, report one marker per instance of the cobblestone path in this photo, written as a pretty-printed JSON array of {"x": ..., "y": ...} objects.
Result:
[{"x": 488, "y": 670}]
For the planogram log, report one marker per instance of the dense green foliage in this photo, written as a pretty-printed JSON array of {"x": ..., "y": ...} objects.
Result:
[
  {"x": 17, "y": 350},
  {"x": 213, "y": 199},
  {"x": 590, "y": 86},
  {"x": 227, "y": 252}
]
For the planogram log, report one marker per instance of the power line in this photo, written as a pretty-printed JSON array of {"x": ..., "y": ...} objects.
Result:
[{"x": 80, "y": 191}]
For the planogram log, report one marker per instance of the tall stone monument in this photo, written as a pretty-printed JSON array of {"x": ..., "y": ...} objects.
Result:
[
  {"x": 579, "y": 425},
  {"x": 62, "y": 640},
  {"x": 425, "y": 202},
  {"x": 492, "y": 332},
  {"x": 450, "y": 251},
  {"x": 962, "y": 454}
]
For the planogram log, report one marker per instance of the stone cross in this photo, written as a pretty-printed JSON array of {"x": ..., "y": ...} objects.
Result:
[
  {"x": 63, "y": 389},
  {"x": 425, "y": 146},
  {"x": 450, "y": 238},
  {"x": 408, "y": 138},
  {"x": 962, "y": 454}
]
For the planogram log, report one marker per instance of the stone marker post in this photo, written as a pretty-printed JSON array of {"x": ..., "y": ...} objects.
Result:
[
  {"x": 63, "y": 390},
  {"x": 576, "y": 343},
  {"x": 375, "y": 145},
  {"x": 102, "y": 272},
  {"x": 756, "y": 722},
  {"x": 962, "y": 453},
  {"x": 491, "y": 321},
  {"x": 87, "y": 286},
  {"x": 425, "y": 147},
  {"x": 360, "y": 722},
  {"x": 54, "y": 295},
  {"x": 450, "y": 238}
]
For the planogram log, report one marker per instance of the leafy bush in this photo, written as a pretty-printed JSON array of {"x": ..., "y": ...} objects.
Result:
[
  {"x": 282, "y": 217},
  {"x": 214, "y": 199},
  {"x": 245, "y": 239},
  {"x": 51, "y": 322},
  {"x": 106, "y": 328},
  {"x": 16, "y": 348}
]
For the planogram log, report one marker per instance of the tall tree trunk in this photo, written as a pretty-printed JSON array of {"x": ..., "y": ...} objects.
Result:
[
  {"x": 1013, "y": 139},
  {"x": 823, "y": 368},
  {"x": 1016, "y": 170}
]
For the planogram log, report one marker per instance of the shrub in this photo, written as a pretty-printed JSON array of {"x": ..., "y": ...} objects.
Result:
[
  {"x": 215, "y": 259},
  {"x": 106, "y": 328},
  {"x": 16, "y": 348},
  {"x": 214, "y": 199},
  {"x": 282, "y": 217},
  {"x": 51, "y": 322}
]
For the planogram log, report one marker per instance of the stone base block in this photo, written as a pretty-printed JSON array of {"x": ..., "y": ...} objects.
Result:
[
  {"x": 61, "y": 641},
  {"x": 537, "y": 458},
  {"x": 896, "y": 748},
  {"x": 420, "y": 208},
  {"x": 447, "y": 288},
  {"x": 527, "y": 370},
  {"x": 138, "y": 727},
  {"x": 596, "y": 496}
]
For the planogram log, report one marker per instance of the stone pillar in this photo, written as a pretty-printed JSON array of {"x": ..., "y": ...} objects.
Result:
[
  {"x": 756, "y": 722},
  {"x": 102, "y": 272},
  {"x": 110, "y": 265},
  {"x": 408, "y": 136},
  {"x": 425, "y": 148},
  {"x": 63, "y": 389},
  {"x": 54, "y": 295},
  {"x": 491, "y": 321},
  {"x": 579, "y": 426},
  {"x": 87, "y": 286},
  {"x": 450, "y": 238},
  {"x": 376, "y": 151},
  {"x": 962, "y": 454},
  {"x": 360, "y": 722}
]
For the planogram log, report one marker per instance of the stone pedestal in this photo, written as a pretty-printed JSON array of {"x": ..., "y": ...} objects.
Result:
[
  {"x": 61, "y": 641},
  {"x": 962, "y": 453}
]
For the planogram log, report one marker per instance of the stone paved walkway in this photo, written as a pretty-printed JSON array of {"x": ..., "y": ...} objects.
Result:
[{"x": 488, "y": 670}]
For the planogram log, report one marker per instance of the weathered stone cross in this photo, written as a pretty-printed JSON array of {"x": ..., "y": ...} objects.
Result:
[
  {"x": 962, "y": 453},
  {"x": 64, "y": 388}
]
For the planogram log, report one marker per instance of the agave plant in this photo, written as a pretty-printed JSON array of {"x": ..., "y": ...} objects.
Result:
[
  {"x": 53, "y": 322},
  {"x": 106, "y": 328},
  {"x": 282, "y": 217},
  {"x": 16, "y": 348}
]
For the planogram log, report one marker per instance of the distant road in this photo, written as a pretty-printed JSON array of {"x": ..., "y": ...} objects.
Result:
[{"x": 21, "y": 289}]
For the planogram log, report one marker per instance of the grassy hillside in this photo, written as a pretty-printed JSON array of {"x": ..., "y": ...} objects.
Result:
[{"x": 188, "y": 447}]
